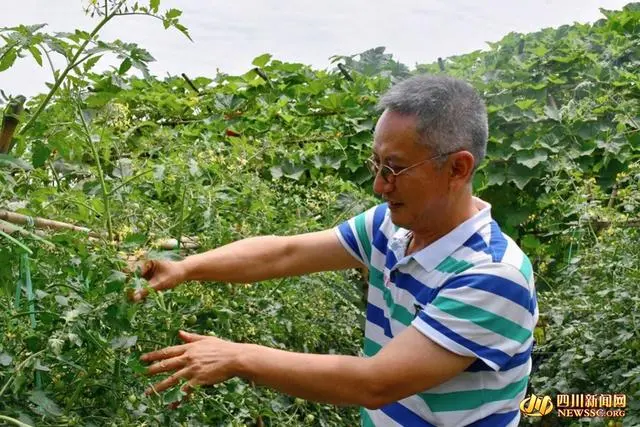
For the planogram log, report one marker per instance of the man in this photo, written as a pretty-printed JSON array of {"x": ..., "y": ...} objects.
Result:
[{"x": 451, "y": 305}]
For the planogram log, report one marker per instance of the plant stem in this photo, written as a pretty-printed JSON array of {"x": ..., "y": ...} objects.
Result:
[
  {"x": 16, "y": 242},
  {"x": 18, "y": 369},
  {"x": 180, "y": 223},
  {"x": 70, "y": 200},
  {"x": 14, "y": 421},
  {"x": 105, "y": 194},
  {"x": 113, "y": 191},
  {"x": 53, "y": 69},
  {"x": 55, "y": 175},
  {"x": 72, "y": 63}
]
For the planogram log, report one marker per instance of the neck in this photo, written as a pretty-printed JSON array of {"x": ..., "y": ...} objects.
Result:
[{"x": 434, "y": 227}]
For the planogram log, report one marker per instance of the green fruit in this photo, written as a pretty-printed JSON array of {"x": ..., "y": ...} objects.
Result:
[
  {"x": 309, "y": 418},
  {"x": 132, "y": 398},
  {"x": 299, "y": 401},
  {"x": 191, "y": 320}
]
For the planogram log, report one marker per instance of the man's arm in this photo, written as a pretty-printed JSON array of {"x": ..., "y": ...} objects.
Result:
[
  {"x": 252, "y": 260},
  {"x": 268, "y": 257},
  {"x": 410, "y": 363}
]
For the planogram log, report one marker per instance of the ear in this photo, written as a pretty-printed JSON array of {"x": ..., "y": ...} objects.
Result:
[{"x": 460, "y": 169}]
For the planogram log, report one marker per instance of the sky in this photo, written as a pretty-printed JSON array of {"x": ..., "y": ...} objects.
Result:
[{"x": 227, "y": 35}]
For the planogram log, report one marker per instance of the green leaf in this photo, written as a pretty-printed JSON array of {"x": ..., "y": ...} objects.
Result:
[
  {"x": 262, "y": 60},
  {"x": 530, "y": 242},
  {"x": 531, "y": 159},
  {"x": 40, "y": 155},
  {"x": 8, "y": 59},
  {"x": 158, "y": 172},
  {"x": 36, "y": 54},
  {"x": 91, "y": 62},
  {"x": 539, "y": 50},
  {"x": 154, "y": 5},
  {"x": 124, "y": 342},
  {"x": 45, "y": 405},
  {"x": 123, "y": 169},
  {"x": 521, "y": 175},
  {"x": 8, "y": 160},
  {"x": 172, "y": 14},
  {"x": 116, "y": 276},
  {"x": 526, "y": 103},
  {"x": 58, "y": 46},
  {"x": 557, "y": 80},
  {"x": 125, "y": 66},
  {"x": 182, "y": 29},
  {"x": 496, "y": 177},
  {"x": 276, "y": 172},
  {"x": 552, "y": 112},
  {"x": 135, "y": 365},
  {"x": 172, "y": 396},
  {"x": 5, "y": 359}
]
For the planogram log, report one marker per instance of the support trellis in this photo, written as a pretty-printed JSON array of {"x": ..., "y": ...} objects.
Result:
[{"x": 24, "y": 281}]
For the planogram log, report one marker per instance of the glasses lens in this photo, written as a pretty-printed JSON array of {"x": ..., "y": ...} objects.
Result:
[
  {"x": 385, "y": 173},
  {"x": 375, "y": 167}
]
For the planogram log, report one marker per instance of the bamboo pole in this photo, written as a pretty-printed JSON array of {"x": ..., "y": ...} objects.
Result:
[
  {"x": 17, "y": 218},
  {"x": 186, "y": 242},
  {"x": 10, "y": 229}
]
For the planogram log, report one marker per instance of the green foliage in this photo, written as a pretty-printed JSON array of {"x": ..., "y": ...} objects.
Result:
[
  {"x": 281, "y": 150},
  {"x": 560, "y": 102},
  {"x": 88, "y": 339},
  {"x": 589, "y": 332}
]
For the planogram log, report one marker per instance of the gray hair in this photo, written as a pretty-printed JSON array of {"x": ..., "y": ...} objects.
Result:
[{"x": 451, "y": 115}]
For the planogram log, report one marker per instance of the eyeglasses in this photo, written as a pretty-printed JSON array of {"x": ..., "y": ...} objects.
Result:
[{"x": 389, "y": 174}]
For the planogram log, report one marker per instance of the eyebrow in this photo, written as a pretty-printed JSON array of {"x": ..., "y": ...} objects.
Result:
[{"x": 392, "y": 157}]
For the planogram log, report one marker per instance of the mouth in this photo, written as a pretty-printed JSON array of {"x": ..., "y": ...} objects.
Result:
[{"x": 394, "y": 205}]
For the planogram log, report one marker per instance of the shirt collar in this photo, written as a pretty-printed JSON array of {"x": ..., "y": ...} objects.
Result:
[{"x": 432, "y": 255}]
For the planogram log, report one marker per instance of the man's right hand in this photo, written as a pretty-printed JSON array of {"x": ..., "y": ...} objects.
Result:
[{"x": 162, "y": 275}]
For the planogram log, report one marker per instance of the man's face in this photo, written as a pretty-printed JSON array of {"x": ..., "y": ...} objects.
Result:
[{"x": 419, "y": 193}]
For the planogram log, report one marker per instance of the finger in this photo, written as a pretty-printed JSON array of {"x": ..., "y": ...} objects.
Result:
[
  {"x": 139, "y": 295},
  {"x": 149, "y": 269},
  {"x": 189, "y": 337},
  {"x": 168, "y": 382},
  {"x": 165, "y": 353},
  {"x": 166, "y": 365}
]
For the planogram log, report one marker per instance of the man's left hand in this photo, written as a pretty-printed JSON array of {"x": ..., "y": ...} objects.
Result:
[{"x": 202, "y": 360}]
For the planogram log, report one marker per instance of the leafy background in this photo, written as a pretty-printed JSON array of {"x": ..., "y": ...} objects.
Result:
[{"x": 281, "y": 150}]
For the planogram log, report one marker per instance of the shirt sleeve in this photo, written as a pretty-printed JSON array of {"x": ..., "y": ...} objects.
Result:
[
  {"x": 360, "y": 233},
  {"x": 489, "y": 312}
]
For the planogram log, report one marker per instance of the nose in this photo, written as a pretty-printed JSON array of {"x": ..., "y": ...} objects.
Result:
[{"x": 380, "y": 186}]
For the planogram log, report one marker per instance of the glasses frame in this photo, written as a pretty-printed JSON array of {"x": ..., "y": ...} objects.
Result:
[{"x": 386, "y": 171}]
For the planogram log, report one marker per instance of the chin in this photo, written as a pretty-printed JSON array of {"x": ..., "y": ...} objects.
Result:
[{"x": 400, "y": 220}]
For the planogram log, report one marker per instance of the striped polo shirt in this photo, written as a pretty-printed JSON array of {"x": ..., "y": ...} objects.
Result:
[{"x": 472, "y": 292}]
